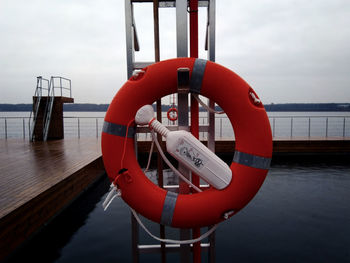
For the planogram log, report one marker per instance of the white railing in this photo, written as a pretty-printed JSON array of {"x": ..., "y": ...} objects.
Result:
[{"x": 281, "y": 127}]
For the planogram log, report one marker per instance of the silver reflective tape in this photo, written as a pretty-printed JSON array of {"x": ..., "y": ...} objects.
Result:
[
  {"x": 117, "y": 129},
  {"x": 251, "y": 160},
  {"x": 197, "y": 75},
  {"x": 168, "y": 208}
]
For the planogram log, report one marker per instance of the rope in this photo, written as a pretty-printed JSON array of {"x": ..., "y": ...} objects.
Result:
[
  {"x": 170, "y": 165},
  {"x": 206, "y": 106},
  {"x": 172, "y": 241},
  {"x": 149, "y": 157}
]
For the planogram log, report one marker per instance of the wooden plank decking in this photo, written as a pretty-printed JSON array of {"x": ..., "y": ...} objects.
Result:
[{"x": 37, "y": 180}]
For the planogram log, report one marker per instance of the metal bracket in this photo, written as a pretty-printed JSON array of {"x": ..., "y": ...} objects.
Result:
[{"x": 183, "y": 80}]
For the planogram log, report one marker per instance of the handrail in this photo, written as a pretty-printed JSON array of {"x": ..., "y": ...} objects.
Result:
[
  {"x": 289, "y": 127},
  {"x": 61, "y": 87},
  {"x": 48, "y": 109}
]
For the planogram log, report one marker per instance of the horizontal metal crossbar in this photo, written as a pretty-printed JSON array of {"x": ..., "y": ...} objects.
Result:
[
  {"x": 156, "y": 248},
  {"x": 202, "y": 128},
  {"x": 171, "y": 3}
]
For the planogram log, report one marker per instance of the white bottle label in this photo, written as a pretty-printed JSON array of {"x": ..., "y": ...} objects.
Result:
[{"x": 190, "y": 154}]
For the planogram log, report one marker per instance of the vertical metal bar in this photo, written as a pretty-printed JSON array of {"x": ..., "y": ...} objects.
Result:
[
  {"x": 326, "y": 127},
  {"x": 61, "y": 86},
  {"x": 211, "y": 30},
  {"x": 344, "y": 127},
  {"x": 79, "y": 128},
  {"x": 5, "y": 128},
  {"x": 70, "y": 88},
  {"x": 160, "y": 180},
  {"x": 130, "y": 56},
  {"x": 181, "y": 28},
  {"x": 291, "y": 127},
  {"x": 159, "y": 118},
  {"x": 129, "y": 37},
  {"x": 193, "y": 4},
  {"x": 273, "y": 127},
  {"x": 211, "y": 57},
  {"x": 211, "y": 252},
  {"x": 220, "y": 128},
  {"x": 96, "y": 128},
  {"x": 134, "y": 225},
  {"x": 41, "y": 87},
  {"x": 134, "y": 239},
  {"x": 156, "y": 30},
  {"x": 29, "y": 128},
  {"x": 309, "y": 127},
  {"x": 211, "y": 132},
  {"x": 183, "y": 85},
  {"x": 211, "y": 128},
  {"x": 24, "y": 129}
]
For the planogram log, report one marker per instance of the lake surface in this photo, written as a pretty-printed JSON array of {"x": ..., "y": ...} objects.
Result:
[{"x": 301, "y": 214}]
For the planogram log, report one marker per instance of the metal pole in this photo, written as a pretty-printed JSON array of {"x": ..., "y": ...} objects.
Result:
[
  {"x": 344, "y": 127},
  {"x": 211, "y": 254},
  {"x": 96, "y": 128},
  {"x": 273, "y": 127},
  {"x": 183, "y": 81},
  {"x": 24, "y": 129},
  {"x": 135, "y": 239},
  {"x": 291, "y": 127},
  {"x": 194, "y": 112},
  {"x": 211, "y": 132},
  {"x": 211, "y": 30},
  {"x": 129, "y": 37},
  {"x": 309, "y": 127},
  {"x": 326, "y": 127},
  {"x": 203, "y": 123},
  {"x": 61, "y": 86},
  {"x": 79, "y": 128},
  {"x": 220, "y": 128},
  {"x": 29, "y": 128},
  {"x": 183, "y": 87},
  {"x": 5, "y": 128},
  {"x": 159, "y": 118},
  {"x": 181, "y": 28}
]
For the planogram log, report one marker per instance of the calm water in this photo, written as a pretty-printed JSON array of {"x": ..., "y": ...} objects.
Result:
[{"x": 301, "y": 214}]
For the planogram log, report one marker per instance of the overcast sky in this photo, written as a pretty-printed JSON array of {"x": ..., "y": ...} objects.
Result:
[{"x": 288, "y": 51}]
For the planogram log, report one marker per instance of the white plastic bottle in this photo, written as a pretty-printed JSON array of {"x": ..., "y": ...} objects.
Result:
[{"x": 188, "y": 150}]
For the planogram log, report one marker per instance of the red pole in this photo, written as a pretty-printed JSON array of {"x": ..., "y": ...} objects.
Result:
[{"x": 194, "y": 112}]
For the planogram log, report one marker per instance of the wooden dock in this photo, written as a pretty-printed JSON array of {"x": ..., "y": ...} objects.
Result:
[{"x": 37, "y": 180}]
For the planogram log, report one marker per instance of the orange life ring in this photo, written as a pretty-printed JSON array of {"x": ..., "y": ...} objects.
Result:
[
  {"x": 174, "y": 111},
  {"x": 252, "y": 155}
]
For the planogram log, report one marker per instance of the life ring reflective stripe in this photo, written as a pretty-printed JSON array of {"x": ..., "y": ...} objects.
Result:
[{"x": 252, "y": 155}]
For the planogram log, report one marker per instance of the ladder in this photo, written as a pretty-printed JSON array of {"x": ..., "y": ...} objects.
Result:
[
  {"x": 35, "y": 110},
  {"x": 48, "y": 110},
  {"x": 132, "y": 45}
]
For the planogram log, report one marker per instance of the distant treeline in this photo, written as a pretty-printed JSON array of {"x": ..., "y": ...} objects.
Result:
[{"x": 268, "y": 107}]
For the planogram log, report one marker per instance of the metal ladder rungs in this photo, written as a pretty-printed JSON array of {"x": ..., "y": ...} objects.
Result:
[{"x": 156, "y": 248}]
